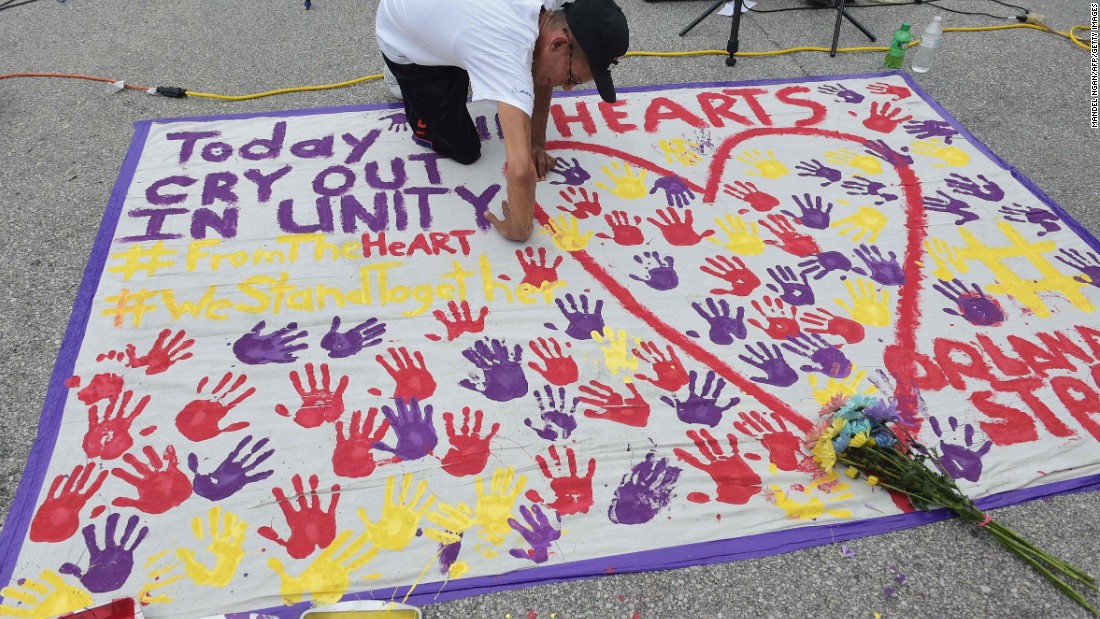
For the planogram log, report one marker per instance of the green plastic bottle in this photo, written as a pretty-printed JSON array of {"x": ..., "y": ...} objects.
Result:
[{"x": 895, "y": 57}]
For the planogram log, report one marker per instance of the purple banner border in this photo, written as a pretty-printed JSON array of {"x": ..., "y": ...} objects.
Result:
[{"x": 703, "y": 553}]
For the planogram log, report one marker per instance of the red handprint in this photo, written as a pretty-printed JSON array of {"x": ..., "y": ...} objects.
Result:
[
  {"x": 678, "y": 232},
  {"x": 320, "y": 404},
  {"x": 161, "y": 485},
  {"x": 736, "y": 481},
  {"x": 781, "y": 325},
  {"x": 58, "y": 517},
  {"x": 668, "y": 371},
  {"x": 460, "y": 320},
  {"x": 748, "y": 192},
  {"x": 622, "y": 231},
  {"x": 732, "y": 270},
  {"x": 582, "y": 208},
  {"x": 632, "y": 411},
  {"x": 199, "y": 419},
  {"x": 572, "y": 493},
  {"x": 102, "y": 387},
  {"x": 352, "y": 456},
  {"x": 310, "y": 526},
  {"x": 784, "y": 447},
  {"x": 536, "y": 272},
  {"x": 109, "y": 438},
  {"x": 884, "y": 119},
  {"x": 412, "y": 377},
  {"x": 827, "y": 322},
  {"x": 469, "y": 451},
  {"x": 898, "y": 92},
  {"x": 790, "y": 240},
  {"x": 163, "y": 354},
  {"x": 560, "y": 370}
]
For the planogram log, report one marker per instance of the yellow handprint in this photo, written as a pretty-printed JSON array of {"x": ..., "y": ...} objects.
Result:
[
  {"x": 766, "y": 166},
  {"x": 845, "y": 157},
  {"x": 158, "y": 579},
  {"x": 397, "y": 525},
  {"x": 680, "y": 150},
  {"x": 815, "y": 507},
  {"x": 942, "y": 254},
  {"x": 740, "y": 239},
  {"x": 950, "y": 155},
  {"x": 617, "y": 353},
  {"x": 847, "y": 387},
  {"x": 494, "y": 510},
  {"x": 47, "y": 597},
  {"x": 566, "y": 234},
  {"x": 867, "y": 307},
  {"x": 865, "y": 221},
  {"x": 226, "y": 544},
  {"x": 453, "y": 522},
  {"x": 627, "y": 185},
  {"x": 329, "y": 575}
]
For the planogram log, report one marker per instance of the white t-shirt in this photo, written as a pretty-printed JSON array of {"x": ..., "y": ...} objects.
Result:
[{"x": 493, "y": 40}]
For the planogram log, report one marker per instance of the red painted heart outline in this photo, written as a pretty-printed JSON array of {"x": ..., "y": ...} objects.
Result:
[{"x": 908, "y": 310}]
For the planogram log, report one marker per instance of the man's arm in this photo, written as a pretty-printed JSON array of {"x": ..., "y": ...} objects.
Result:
[
  {"x": 540, "y": 115},
  {"x": 519, "y": 208}
]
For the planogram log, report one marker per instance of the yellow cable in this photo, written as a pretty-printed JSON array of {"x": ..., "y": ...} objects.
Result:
[{"x": 358, "y": 80}]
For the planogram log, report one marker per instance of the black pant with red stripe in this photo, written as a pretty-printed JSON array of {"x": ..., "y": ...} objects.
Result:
[{"x": 435, "y": 105}]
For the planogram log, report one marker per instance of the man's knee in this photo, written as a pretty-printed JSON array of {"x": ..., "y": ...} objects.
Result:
[{"x": 468, "y": 156}]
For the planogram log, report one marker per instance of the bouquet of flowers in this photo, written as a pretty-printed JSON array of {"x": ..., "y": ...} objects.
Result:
[{"x": 864, "y": 434}]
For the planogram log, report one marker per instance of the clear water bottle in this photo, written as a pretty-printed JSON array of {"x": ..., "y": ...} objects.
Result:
[
  {"x": 895, "y": 57},
  {"x": 929, "y": 43}
]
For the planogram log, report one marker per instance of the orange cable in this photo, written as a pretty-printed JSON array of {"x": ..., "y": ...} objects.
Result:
[{"x": 74, "y": 76}]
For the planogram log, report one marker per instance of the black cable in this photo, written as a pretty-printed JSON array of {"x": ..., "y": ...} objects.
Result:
[
  {"x": 8, "y": 4},
  {"x": 877, "y": 5},
  {"x": 939, "y": 6}
]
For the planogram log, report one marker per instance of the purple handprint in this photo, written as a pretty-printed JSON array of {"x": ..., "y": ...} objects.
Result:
[
  {"x": 1090, "y": 268},
  {"x": 723, "y": 327},
  {"x": 950, "y": 204},
  {"x": 842, "y": 94},
  {"x": 109, "y": 567},
  {"x": 826, "y": 262},
  {"x": 885, "y": 271},
  {"x": 416, "y": 435},
  {"x": 863, "y": 186},
  {"x": 502, "y": 377},
  {"x": 960, "y": 460},
  {"x": 364, "y": 335},
  {"x": 582, "y": 322},
  {"x": 882, "y": 150},
  {"x": 644, "y": 491},
  {"x": 794, "y": 289},
  {"x": 660, "y": 271},
  {"x": 988, "y": 190},
  {"x": 398, "y": 121},
  {"x": 539, "y": 533},
  {"x": 814, "y": 167},
  {"x": 573, "y": 175},
  {"x": 829, "y": 359},
  {"x": 924, "y": 129},
  {"x": 974, "y": 306},
  {"x": 777, "y": 371},
  {"x": 813, "y": 214},
  {"x": 677, "y": 193},
  {"x": 557, "y": 421},
  {"x": 702, "y": 406},
  {"x": 1043, "y": 218},
  {"x": 233, "y": 473},
  {"x": 255, "y": 348}
]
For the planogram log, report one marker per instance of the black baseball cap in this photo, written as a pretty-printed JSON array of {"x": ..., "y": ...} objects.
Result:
[{"x": 599, "y": 26}]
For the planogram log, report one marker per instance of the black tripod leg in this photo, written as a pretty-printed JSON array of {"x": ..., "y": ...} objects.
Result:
[
  {"x": 836, "y": 28},
  {"x": 856, "y": 23},
  {"x": 735, "y": 28},
  {"x": 702, "y": 17}
]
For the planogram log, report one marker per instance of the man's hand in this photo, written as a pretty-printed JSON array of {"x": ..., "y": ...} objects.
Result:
[
  {"x": 543, "y": 161},
  {"x": 512, "y": 227}
]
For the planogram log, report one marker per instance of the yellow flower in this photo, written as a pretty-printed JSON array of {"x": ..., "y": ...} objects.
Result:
[
  {"x": 851, "y": 472},
  {"x": 824, "y": 454},
  {"x": 859, "y": 440},
  {"x": 872, "y": 480}
]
